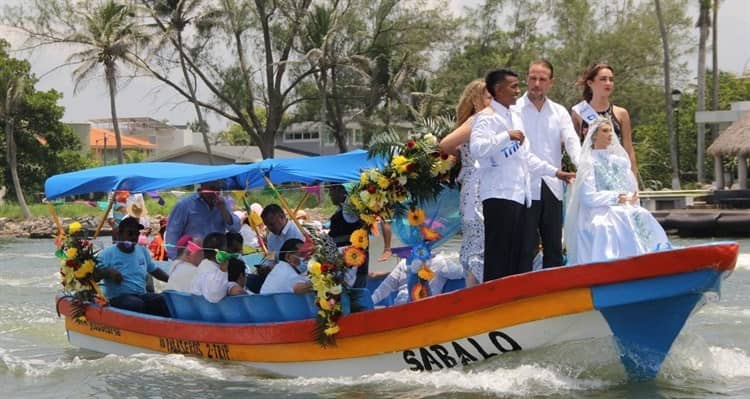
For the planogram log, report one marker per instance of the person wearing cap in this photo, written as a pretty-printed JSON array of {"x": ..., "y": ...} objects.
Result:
[
  {"x": 200, "y": 214},
  {"x": 184, "y": 268},
  {"x": 249, "y": 238},
  {"x": 123, "y": 268}
]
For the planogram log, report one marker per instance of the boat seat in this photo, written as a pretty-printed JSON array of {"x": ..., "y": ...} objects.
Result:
[{"x": 255, "y": 308}]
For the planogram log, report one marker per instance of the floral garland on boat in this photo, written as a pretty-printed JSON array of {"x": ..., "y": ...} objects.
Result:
[
  {"x": 413, "y": 173},
  {"x": 78, "y": 259}
]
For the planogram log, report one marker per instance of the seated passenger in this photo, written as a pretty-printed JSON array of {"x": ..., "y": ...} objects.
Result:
[
  {"x": 397, "y": 279},
  {"x": 287, "y": 275},
  {"x": 237, "y": 277},
  {"x": 604, "y": 219},
  {"x": 234, "y": 242},
  {"x": 185, "y": 267},
  {"x": 124, "y": 268},
  {"x": 211, "y": 279}
]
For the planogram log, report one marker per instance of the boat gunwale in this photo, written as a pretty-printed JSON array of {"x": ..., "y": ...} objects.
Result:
[{"x": 718, "y": 256}]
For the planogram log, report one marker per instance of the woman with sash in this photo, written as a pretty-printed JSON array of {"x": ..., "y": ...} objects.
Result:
[
  {"x": 598, "y": 82},
  {"x": 471, "y": 255},
  {"x": 603, "y": 218}
]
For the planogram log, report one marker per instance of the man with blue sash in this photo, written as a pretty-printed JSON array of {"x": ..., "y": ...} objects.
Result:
[{"x": 505, "y": 163}]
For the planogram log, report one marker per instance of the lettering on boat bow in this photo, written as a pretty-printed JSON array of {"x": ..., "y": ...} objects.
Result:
[
  {"x": 104, "y": 329},
  {"x": 185, "y": 347},
  {"x": 463, "y": 352}
]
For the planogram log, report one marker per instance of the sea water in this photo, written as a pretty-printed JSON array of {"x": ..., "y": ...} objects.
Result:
[{"x": 711, "y": 357}]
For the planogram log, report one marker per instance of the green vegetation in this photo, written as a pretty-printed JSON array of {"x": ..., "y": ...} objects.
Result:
[
  {"x": 95, "y": 207},
  {"x": 377, "y": 63}
]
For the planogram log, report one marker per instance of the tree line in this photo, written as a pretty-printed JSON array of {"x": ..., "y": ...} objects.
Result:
[{"x": 263, "y": 64}]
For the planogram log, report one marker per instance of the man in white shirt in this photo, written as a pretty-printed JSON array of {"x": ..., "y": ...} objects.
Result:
[
  {"x": 504, "y": 167},
  {"x": 287, "y": 275},
  {"x": 185, "y": 267},
  {"x": 280, "y": 228},
  {"x": 549, "y": 127},
  {"x": 211, "y": 280}
]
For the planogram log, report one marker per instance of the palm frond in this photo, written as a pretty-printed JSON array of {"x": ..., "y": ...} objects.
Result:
[{"x": 385, "y": 143}]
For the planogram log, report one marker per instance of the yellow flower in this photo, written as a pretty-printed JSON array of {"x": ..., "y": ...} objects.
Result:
[
  {"x": 400, "y": 163},
  {"x": 356, "y": 203},
  {"x": 86, "y": 268},
  {"x": 416, "y": 217},
  {"x": 383, "y": 182},
  {"x": 363, "y": 178},
  {"x": 74, "y": 227},
  {"x": 354, "y": 257},
  {"x": 314, "y": 268},
  {"x": 425, "y": 273},
  {"x": 71, "y": 253},
  {"x": 334, "y": 329},
  {"x": 359, "y": 238},
  {"x": 323, "y": 303},
  {"x": 368, "y": 219}
]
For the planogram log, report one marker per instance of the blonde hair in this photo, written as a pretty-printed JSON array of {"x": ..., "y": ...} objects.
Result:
[{"x": 465, "y": 108}]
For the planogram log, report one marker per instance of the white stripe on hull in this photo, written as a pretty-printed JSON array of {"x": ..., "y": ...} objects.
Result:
[{"x": 526, "y": 336}]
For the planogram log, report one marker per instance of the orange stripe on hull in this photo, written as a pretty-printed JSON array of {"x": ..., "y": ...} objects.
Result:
[{"x": 434, "y": 332}]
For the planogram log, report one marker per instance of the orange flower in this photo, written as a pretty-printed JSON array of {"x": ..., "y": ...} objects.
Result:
[
  {"x": 430, "y": 234},
  {"x": 425, "y": 273},
  {"x": 354, "y": 257},
  {"x": 416, "y": 217}
]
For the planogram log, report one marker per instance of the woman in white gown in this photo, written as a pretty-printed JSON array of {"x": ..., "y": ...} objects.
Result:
[{"x": 604, "y": 219}]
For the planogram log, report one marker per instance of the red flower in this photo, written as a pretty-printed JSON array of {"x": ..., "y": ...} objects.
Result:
[
  {"x": 444, "y": 155},
  {"x": 410, "y": 144},
  {"x": 372, "y": 189},
  {"x": 411, "y": 168},
  {"x": 72, "y": 263}
]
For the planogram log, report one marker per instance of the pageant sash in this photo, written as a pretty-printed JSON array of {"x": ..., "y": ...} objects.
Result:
[{"x": 586, "y": 111}]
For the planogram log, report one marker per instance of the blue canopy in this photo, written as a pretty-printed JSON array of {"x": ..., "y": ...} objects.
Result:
[{"x": 154, "y": 176}]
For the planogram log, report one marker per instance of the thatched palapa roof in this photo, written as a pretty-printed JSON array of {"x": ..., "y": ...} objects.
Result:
[{"x": 735, "y": 139}]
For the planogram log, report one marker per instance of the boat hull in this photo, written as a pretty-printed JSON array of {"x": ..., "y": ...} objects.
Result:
[{"x": 642, "y": 302}]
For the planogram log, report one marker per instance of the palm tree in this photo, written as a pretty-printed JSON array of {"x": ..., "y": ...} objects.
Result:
[
  {"x": 673, "y": 150},
  {"x": 110, "y": 34},
  {"x": 171, "y": 18},
  {"x": 703, "y": 24},
  {"x": 12, "y": 85}
]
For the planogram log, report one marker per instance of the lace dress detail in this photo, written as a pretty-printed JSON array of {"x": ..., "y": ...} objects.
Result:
[
  {"x": 609, "y": 174},
  {"x": 471, "y": 254}
]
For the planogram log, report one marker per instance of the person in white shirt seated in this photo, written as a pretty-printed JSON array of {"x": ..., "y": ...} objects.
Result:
[
  {"x": 185, "y": 267},
  {"x": 211, "y": 281},
  {"x": 237, "y": 276},
  {"x": 604, "y": 219},
  {"x": 397, "y": 279},
  {"x": 287, "y": 274}
]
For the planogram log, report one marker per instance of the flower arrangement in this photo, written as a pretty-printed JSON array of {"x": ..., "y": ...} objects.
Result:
[
  {"x": 327, "y": 270},
  {"x": 412, "y": 173},
  {"x": 77, "y": 263}
]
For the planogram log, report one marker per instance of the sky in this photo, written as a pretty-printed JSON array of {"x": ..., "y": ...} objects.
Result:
[{"x": 146, "y": 97}]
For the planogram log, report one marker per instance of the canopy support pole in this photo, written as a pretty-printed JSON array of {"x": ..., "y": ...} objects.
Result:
[{"x": 104, "y": 218}]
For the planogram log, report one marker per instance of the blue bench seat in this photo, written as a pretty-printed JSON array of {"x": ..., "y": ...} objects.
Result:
[{"x": 255, "y": 308}]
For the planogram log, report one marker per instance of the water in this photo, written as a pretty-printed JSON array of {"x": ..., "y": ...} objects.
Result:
[{"x": 710, "y": 358}]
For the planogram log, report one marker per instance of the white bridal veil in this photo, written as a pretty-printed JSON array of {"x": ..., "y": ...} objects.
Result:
[{"x": 573, "y": 223}]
